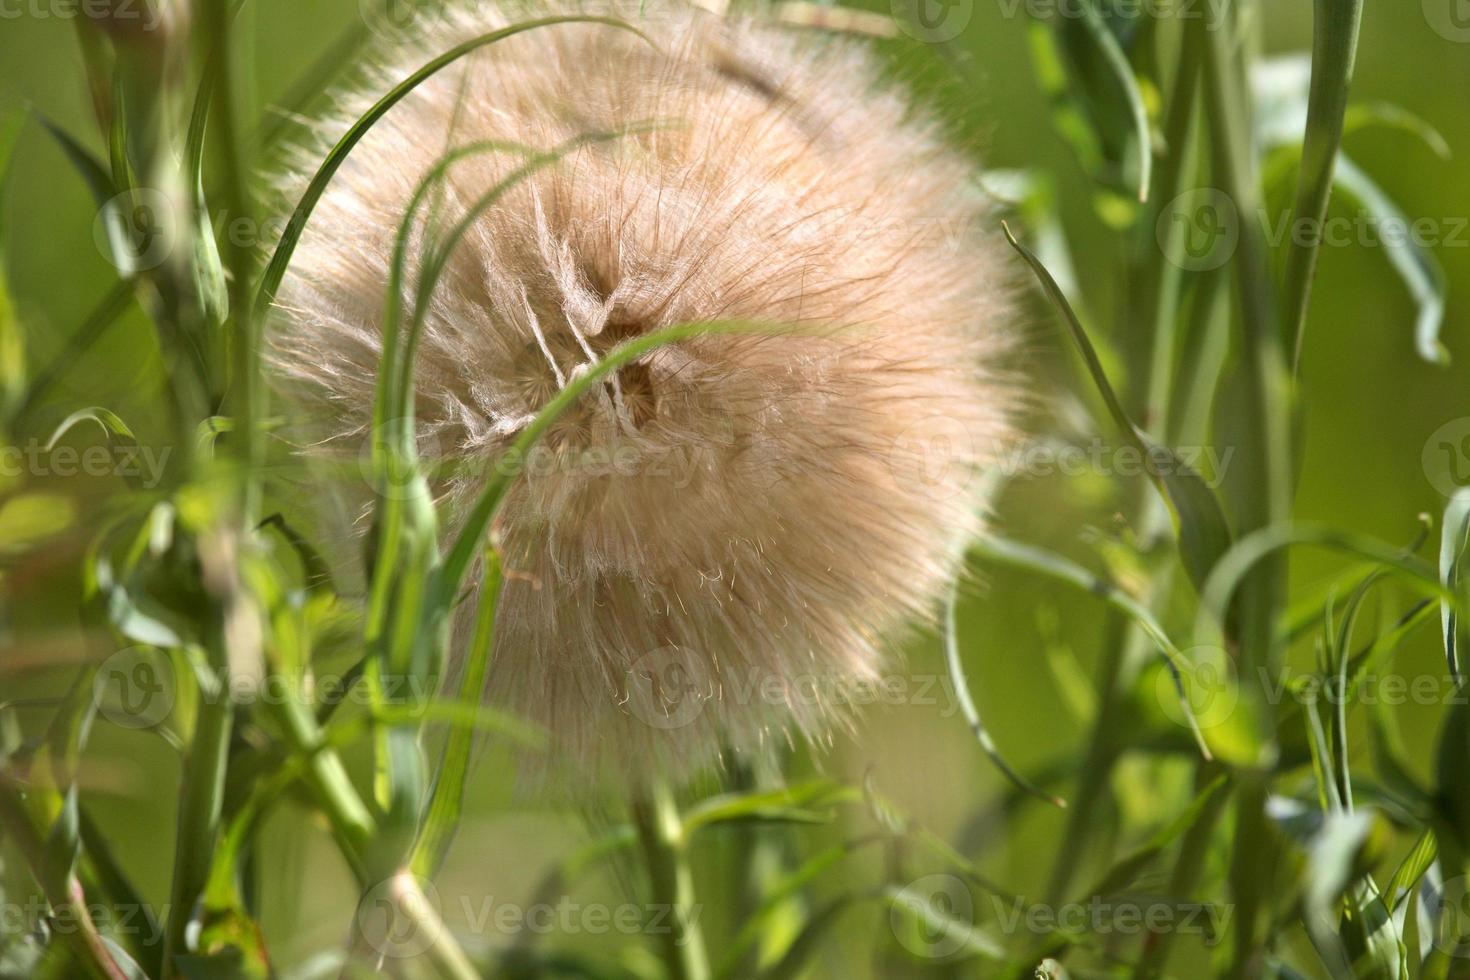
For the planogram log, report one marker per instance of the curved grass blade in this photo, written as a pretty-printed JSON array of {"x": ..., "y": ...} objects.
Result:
[
  {"x": 281, "y": 258},
  {"x": 751, "y": 930},
  {"x": 112, "y": 306},
  {"x": 956, "y": 669},
  {"x": 1216, "y": 596},
  {"x": 1453, "y": 539},
  {"x": 98, "y": 180},
  {"x": 118, "y": 435},
  {"x": 1055, "y": 566},
  {"x": 446, "y": 795},
  {"x": 1123, "y": 874},
  {"x": 790, "y": 805},
  {"x": 1417, "y": 267},
  {"x": 1387, "y": 115},
  {"x": 1204, "y": 534}
]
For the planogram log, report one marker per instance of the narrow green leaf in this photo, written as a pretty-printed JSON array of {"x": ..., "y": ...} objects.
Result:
[
  {"x": 281, "y": 259},
  {"x": 1055, "y": 566},
  {"x": 12, "y": 339},
  {"x": 1204, "y": 534},
  {"x": 1416, "y": 864},
  {"x": 118, "y": 435},
  {"x": 1334, "y": 52},
  {"x": 1124, "y": 872},
  {"x": 972, "y": 714},
  {"x": 1386, "y": 114},
  {"x": 92, "y": 171},
  {"x": 1454, "y": 535},
  {"x": 793, "y": 804},
  {"x": 1417, "y": 267},
  {"x": 1117, "y": 62}
]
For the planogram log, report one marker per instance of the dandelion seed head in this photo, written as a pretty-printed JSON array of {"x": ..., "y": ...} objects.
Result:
[{"x": 728, "y": 520}]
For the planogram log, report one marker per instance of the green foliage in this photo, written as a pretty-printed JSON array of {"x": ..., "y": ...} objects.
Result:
[{"x": 1210, "y": 781}]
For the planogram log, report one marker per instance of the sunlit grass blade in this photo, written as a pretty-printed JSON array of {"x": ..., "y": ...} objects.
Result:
[{"x": 487, "y": 505}]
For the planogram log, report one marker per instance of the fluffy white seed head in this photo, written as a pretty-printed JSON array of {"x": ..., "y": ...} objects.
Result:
[{"x": 720, "y": 545}]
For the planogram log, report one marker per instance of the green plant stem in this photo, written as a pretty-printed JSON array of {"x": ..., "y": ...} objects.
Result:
[
  {"x": 246, "y": 392},
  {"x": 352, "y": 823},
  {"x": 200, "y": 804},
  {"x": 1334, "y": 52},
  {"x": 446, "y": 799},
  {"x": 443, "y": 951},
  {"x": 1126, "y": 655},
  {"x": 672, "y": 883},
  {"x": 1266, "y": 497},
  {"x": 62, "y": 889}
]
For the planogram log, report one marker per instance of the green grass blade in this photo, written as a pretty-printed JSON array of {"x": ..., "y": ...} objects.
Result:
[
  {"x": 1055, "y": 566},
  {"x": 1417, "y": 267},
  {"x": 1117, "y": 62},
  {"x": 956, "y": 667},
  {"x": 1334, "y": 52},
  {"x": 1454, "y": 534},
  {"x": 487, "y": 505},
  {"x": 446, "y": 796},
  {"x": 1204, "y": 534},
  {"x": 281, "y": 259}
]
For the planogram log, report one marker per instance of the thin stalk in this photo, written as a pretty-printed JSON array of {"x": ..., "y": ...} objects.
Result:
[
  {"x": 446, "y": 797},
  {"x": 246, "y": 391},
  {"x": 662, "y": 837},
  {"x": 1127, "y": 653},
  {"x": 1266, "y": 497},
  {"x": 352, "y": 823},
  {"x": 201, "y": 801}
]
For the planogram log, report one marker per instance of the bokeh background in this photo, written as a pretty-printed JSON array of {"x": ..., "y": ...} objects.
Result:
[{"x": 1371, "y": 404}]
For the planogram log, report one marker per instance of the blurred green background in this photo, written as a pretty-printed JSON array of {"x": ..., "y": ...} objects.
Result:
[{"x": 1371, "y": 405}]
